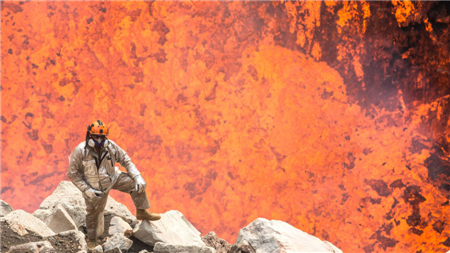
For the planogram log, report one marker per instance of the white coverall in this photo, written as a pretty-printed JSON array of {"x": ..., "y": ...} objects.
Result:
[{"x": 88, "y": 169}]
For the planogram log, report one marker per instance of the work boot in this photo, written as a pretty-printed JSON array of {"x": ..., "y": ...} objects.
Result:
[
  {"x": 143, "y": 214},
  {"x": 91, "y": 243}
]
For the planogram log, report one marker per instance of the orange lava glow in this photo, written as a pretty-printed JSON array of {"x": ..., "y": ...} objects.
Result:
[{"x": 231, "y": 112}]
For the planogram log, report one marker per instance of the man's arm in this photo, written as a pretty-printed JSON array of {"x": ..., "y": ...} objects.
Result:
[
  {"x": 123, "y": 159},
  {"x": 75, "y": 166}
]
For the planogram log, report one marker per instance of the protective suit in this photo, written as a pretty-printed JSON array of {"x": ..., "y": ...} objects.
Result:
[{"x": 91, "y": 171}]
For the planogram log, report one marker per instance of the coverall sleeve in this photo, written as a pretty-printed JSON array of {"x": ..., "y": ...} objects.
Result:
[
  {"x": 75, "y": 168},
  {"x": 124, "y": 160}
]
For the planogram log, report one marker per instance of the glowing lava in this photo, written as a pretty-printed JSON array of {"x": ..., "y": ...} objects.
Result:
[{"x": 304, "y": 112}]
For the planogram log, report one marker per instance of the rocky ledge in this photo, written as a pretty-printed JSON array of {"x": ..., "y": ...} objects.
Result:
[{"x": 59, "y": 226}]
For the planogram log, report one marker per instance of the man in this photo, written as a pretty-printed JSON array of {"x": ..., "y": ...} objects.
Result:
[{"x": 92, "y": 170}]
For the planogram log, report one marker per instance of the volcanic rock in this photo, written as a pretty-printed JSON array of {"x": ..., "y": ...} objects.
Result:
[
  {"x": 118, "y": 226},
  {"x": 171, "y": 248},
  {"x": 242, "y": 248},
  {"x": 79, "y": 243},
  {"x": 115, "y": 208},
  {"x": 5, "y": 208},
  {"x": 68, "y": 195},
  {"x": 115, "y": 250},
  {"x": 97, "y": 249},
  {"x": 172, "y": 228},
  {"x": 21, "y": 222},
  {"x": 278, "y": 236},
  {"x": 43, "y": 246},
  {"x": 220, "y": 245},
  {"x": 118, "y": 241},
  {"x": 61, "y": 221}
]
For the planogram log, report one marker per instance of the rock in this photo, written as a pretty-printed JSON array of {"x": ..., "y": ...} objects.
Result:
[
  {"x": 115, "y": 208},
  {"x": 5, "y": 208},
  {"x": 278, "y": 236},
  {"x": 171, "y": 248},
  {"x": 21, "y": 222},
  {"x": 220, "y": 245},
  {"x": 172, "y": 228},
  {"x": 118, "y": 241},
  {"x": 144, "y": 251},
  {"x": 334, "y": 248},
  {"x": 128, "y": 232},
  {"x": 61, "y": 221},
  {"x": 68, "y": 195},
  {"x": 115, "y": 250},
  {"x": 14, "y": 226},
  {"x": 242, "y": 248},
  {"x": 118, "y": 226},
  {"x": 79, "y": 237},
  {"x": 35, "y": 247},
  {"x": 44, "y": 215},
  {"x": 97, "y": 249}
]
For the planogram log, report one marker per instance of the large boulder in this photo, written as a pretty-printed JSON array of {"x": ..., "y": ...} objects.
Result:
[
  {"x": 67, "y": 195},
  {"x": 71, "y": 198},
  {"x": 5, "y": 208},
  {"x": 171, "y": 248},
  {"x": 22, "y": 222},
  {"x": 277, "y": 236},
  {"x": 172, "y": 228},
  {"x": 61, "y": 221}
]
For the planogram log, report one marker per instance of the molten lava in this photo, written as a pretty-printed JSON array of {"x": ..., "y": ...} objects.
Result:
[{"x": 331, "y": 116}]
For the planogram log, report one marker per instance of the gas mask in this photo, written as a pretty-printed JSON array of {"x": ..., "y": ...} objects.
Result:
[{"x": 93, "y": 143}]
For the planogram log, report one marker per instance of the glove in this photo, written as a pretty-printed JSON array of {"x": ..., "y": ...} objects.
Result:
[
  {"x": 91, "y": 193},
  {"x": 140, "y": 184}
]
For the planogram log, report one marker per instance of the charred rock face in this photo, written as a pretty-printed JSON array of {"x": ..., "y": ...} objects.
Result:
[{"x": 237, "y": 108}]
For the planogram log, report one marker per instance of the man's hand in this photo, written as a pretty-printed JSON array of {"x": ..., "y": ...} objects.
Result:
[
  {"x": 140, "y": 184},
  {"x": 91, "y": 193}
]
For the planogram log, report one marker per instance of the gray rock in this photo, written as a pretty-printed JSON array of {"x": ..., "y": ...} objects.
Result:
[
  {"x": 79, "y": 237},
  {"x": 172, "y": 228},
  {"x": 61, "y": 221},
  {"x": 5, "y": 208},
  {"x": 21, "y": 222},
  {"x": 277, "y": 236},
  {"x": 115, "y": 250},
  {"x": 118, "y": 226},
  {"x": 220, "y": 245},
  {"x": 171, "y": 248},
  {"x": 242, "y": 248},
  {"x": 118, "y": 241},
  {"x": 115, "y": 208},
  {"x": 35, "y": 247},
  {"x": 68, "y": 195},
  {"x": 144, "y": 251},
  {"x": 97, "y": 249}
]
